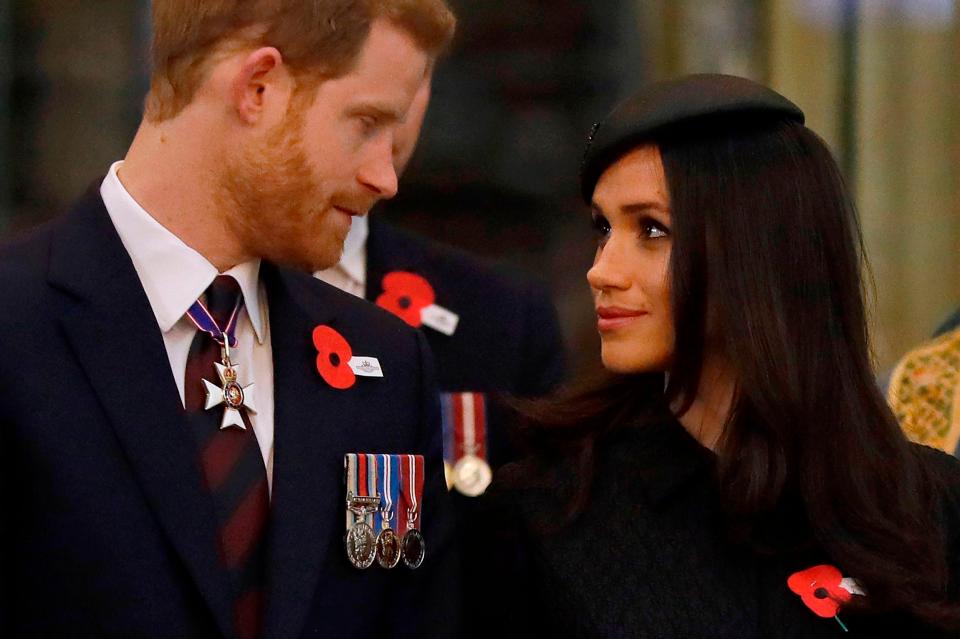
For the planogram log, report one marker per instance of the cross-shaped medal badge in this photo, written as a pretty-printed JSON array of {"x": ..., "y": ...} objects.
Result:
[{"x": 230, "y": 392}]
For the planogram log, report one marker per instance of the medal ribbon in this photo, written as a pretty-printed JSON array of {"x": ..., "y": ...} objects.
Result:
[
  {"x": 371, "y": 475},
  {"x": 389, "y": 474},
  {"x": 351, "y": 461},
  {"x": 448, "y": 419},
  {"x": 204, "y": 321},
  {"x": 367, "y": 480},
  {"x": 468, "y": 413},
  {"x": 411, "y": 481}
]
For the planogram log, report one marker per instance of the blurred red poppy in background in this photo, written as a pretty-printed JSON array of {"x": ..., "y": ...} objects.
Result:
[{"x": 406, "y": 295}]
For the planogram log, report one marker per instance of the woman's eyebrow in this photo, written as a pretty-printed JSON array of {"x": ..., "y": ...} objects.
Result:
[{"x": 643, "y": 206}]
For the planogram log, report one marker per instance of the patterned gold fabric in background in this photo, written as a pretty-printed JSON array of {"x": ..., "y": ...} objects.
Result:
[{"x": 925, "y": 393}]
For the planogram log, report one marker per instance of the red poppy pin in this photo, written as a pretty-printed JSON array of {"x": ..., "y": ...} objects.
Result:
[
  {"x": 333, "y": 358},
  {"x": 411, "y": 298},
  {"x": 824, "y": 590},
  {"x": 406, "y": 295}
]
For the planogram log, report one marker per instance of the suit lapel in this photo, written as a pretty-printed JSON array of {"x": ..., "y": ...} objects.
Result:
[
  {"x": 309, "y": 437},
  {"x": 113, "y": 332}
]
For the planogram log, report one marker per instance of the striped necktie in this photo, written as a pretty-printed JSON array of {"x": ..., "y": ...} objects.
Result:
[{"x": 232, "y": 469}]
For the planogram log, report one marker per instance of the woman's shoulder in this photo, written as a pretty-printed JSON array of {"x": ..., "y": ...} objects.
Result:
[
  {"x": 943, "y": 468},
  {"x": 944, "y": 471}
]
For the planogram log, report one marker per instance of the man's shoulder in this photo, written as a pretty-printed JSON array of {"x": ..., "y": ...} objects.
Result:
[
  {"x": 359, "y": 314},
  {"x": 24, "y": 261},
  {"x": 451, "y": 270}
]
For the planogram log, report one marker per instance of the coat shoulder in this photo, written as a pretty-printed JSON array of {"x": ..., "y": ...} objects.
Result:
[{"x": 451, "y": 268}]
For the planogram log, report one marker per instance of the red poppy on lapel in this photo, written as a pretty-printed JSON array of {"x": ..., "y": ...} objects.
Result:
[
  {"x": 406, "y": 295},
  {"x": 820, "y": 589},
  {"x": 333, "y": 357}
]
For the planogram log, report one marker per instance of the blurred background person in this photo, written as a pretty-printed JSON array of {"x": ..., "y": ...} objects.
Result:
[
  {"x": 502, "y": 340},
  {"x": 502, "y": 336}
]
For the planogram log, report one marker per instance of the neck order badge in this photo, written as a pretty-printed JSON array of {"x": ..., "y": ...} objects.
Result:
[
  {"x": 383, "y": 489},
  {"x": 229, "y": 392}
]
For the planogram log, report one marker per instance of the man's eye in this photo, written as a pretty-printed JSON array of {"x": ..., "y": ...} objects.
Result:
[{"x": 368, "y": 124}]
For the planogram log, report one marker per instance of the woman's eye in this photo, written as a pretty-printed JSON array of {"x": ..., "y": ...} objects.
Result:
[
  {"x": 651, "y": 229},
  {"x": 600, "y": 225}
]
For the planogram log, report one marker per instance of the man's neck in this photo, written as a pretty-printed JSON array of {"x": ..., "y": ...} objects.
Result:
[{"x": 171, "y": 175}]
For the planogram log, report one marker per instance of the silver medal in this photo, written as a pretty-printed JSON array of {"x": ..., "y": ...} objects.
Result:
[
  {"x": 472, "y": 476},
  {"x": 414, "y": 548},
  {"x": 361, "y": 542}
]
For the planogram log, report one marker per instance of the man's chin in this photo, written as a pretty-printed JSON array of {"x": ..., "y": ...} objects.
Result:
[{"x": 310, "y": 259}]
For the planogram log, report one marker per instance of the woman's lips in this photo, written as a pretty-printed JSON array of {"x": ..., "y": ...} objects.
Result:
[{"x": 610, "y": 318}]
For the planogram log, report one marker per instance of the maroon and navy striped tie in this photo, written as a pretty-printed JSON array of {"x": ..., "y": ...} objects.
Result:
[{"x": 232, "y": 469}]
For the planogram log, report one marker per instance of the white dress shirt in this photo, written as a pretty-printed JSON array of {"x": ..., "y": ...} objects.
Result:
[
  {"x": 350, "y": 274},
  {"x": 174, "y": 276}
]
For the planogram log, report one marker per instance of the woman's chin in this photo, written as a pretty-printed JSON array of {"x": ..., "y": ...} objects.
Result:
[{"x": 631, "y": 364}]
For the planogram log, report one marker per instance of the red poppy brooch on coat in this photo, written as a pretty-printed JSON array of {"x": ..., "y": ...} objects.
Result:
[
  {"x": 411, "y": 298},
  {"x": 337, "y": 364},
  {"x": 824, "y": 590}
]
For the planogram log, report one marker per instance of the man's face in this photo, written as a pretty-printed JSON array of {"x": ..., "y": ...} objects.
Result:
[{"x": 294, "y": 192}]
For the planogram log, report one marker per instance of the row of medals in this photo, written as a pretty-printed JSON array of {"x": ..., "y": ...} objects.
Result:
[{"x": 386, "y": 548}]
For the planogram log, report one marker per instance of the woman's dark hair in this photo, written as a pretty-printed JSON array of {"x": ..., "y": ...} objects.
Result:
[{"x": 766, "y": 272}]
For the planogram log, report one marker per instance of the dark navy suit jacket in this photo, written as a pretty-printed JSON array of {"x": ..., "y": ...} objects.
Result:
[
  {"x": 508, "y": 341},
  {"x": 106, "y": 531}
]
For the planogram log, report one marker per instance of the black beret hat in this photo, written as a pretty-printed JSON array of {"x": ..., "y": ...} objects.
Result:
[{"x": 669, "y": 103}]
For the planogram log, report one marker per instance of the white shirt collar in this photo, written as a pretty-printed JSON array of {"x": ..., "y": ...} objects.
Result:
[
  {"x": 173, "y": 275},
  {"x": 353, "y": 261}
]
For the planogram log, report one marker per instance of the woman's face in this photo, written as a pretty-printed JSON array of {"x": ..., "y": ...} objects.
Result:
[{"x": 630, "y": 274}]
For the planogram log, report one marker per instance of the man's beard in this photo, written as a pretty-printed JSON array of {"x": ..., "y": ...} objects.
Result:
[{"x": 275, "y": 206}]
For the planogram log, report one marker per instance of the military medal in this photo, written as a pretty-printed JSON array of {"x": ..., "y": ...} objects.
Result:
[
  {"x": 465, "y": 434},
  {"x": 472, "y": 475},
  {"x": 411, "y": 478},
  {"x": 388, "y": 544},
  {"x": 362, "y": 502},
  {"x": 230, "y": 393}
]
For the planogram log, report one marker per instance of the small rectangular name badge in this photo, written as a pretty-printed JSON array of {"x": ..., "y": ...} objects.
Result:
[
  {"x": 365, "y": 366},
  {"x": 440, "y": 319}
]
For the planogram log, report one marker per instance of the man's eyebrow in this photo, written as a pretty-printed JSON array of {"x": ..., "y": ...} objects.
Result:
[{"x": 382, "y": 113}]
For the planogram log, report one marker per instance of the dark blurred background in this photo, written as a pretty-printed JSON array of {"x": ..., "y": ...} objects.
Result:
[{"x": 496, "y": 171}]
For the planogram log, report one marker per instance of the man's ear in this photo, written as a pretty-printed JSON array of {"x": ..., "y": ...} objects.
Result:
[{"x": 261, "y": 83}]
